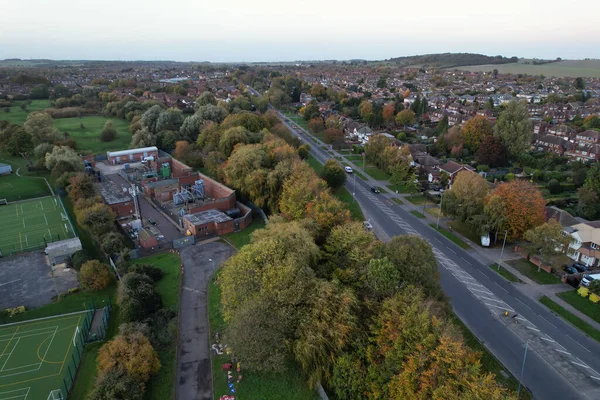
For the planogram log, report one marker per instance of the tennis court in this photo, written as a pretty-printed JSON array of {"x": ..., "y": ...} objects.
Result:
[
  {"x": 31, "y": 224},
  {"x": 41, "y": 356}
]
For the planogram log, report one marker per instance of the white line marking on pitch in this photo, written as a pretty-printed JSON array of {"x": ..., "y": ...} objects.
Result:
[
  {"x": 10, "y": 354},
  {"x": 562, "y": 351},
  {"x": 46, "y": 219}
]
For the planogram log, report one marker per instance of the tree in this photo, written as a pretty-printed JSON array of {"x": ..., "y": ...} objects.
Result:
[
  {"x": 515, "y": 207},
  {"x": 514, "y": 129},
  {"x": 318, "y": 91},
  {"x": 442, "y": 126},
  {"x": 382, "y": 82},
  {"x": 116, "y": 384},
  {"x": 595, "y": 287},
  {"x": 414, "y": 260},
  {"x": 365, "y": 110},
  {"x": 474, "y": 131},
  {"x": 491, "y": 152},
  {"x": 547, "y": 240},
  {"x": 98, "y": 219},
  {"x": 41, "y": 128},
  {"x": 206, "y": 98},
  {"x": 142, "y": 138},
  {"x": 588, "y": 205},
  {"x": 348, "y": 378},
  {"x": 94, "y": 275},
  {"x": 65, "y": 154},
  {"x": 388, "y": 112},
  {"x": 405, "y": 117},
  {"x": 61, "y": 168},
  {"x": 298, "y": 190},
  {"x": 217, "y": 114},
  {"x": 327, "y": 211},
  {"x": 39, "y": 92},
  {"x": 81, "y": 187},
  {"x": 465, "y": 199},
  {"x": 312, "y": 110},
  {"x": 303, "y": 151},
  {"x": 170, "y": 119},
  {"x": 400, "y": 173},
  {"x": 383, "y": 278},
  {"x": 154, "y": 273},
  {"x": 137, "y": 297},
  {"x": 335, "y": 137},
  {"x": 191, "y": 126},
  {"x": 111, "y": 243},
  {"x": 592, "y": 122},
  {"x": 579, "y": 83},
  {"x": 495, "y": 73},
  {"x": 347, "y": 251},
  {"x": 109, "y": 133},
  {"x": 20, "y": 142},
  {"x": 326, "y": 331},
  {"x": 333, "y": 174},
  {"x": 150, "y": 117},
  {"x": 131, "y": 353},
  {"x": 232, "y": 137},
  {"x": 316, "y": 125},
  {"x": 592, "y": 179}
]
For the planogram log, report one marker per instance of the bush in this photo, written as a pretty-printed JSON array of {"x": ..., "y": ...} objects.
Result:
[
  {"x": 116, "y": 384},
  {"x": 94, "y": 275},
  {"x": 137, "y": 297},
  {"x": 333, "y": 174},
  {"x": 554, "y": 186},
  {"x": 109, "y": 133},
  {"x": 156, "y": 274},
  {"x": 11, "y": 312},
  {"x": 111, "y": 243}
]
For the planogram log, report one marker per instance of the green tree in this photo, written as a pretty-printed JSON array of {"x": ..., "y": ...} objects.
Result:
[
  {"x": 405, "y": 117},
  {"x": 41, "y": 128},
  {"x": 94, "y": 275},
  {"x": 303, "y": 151},
  {"x": 383, "y": 278},
  {"x": 20, "y": 142},
  {"x": 150, "y": 117},
  {"x": 474, "y": 131},
  {"x": 465, "y": 200},
  {"x": 347, "y": 251},
  {"x": 514, "y": 129},
  {"x": 333, "y": 174},
  {"x": 137, "y": 297},
  {"x": 442, "y": 126},
  {"x": 63, "y": 153},
  {"x": 588, "y": 204},
  {"x": 170, "y": 119},
  {"x": 109, "y": 133},
  {"x": 579, "y": 83},
  {"x": 592, "y": 180},
  {"x": 400, "y": 173},
  {"x": 547, "y": 240},
  {"x": 232, "y": 137},
  {"x": 142, "y": 138},
  {"x": 592, "y": 122},
  {"x": 111, "y": 243},
  {"x": 206, "y": 98},
  {"x": 311, "y": 110}
]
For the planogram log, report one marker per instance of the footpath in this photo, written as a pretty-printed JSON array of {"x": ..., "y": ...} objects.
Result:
[{"x": 484, "y": 255}]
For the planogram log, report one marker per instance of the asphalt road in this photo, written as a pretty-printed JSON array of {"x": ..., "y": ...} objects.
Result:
[{"x": 561, "y": 363}]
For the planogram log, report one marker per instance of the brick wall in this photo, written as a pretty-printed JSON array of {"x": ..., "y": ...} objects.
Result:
[
  {"x": 132, "y": 157},
  {"x": 123, "y": 209},
  {"x": 214, "y": 189},
  {"x": 179, "y": 169},
  {"x": 246, "y": 218},
  {"x": 90, "y": 158}
]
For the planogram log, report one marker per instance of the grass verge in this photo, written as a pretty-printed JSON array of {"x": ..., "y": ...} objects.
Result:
[
  {"x": 455, "y": 239},
  {"x": 566, "y": 315},
  {"x": 466, "y": 232},
  {"x": 242, "y": 238},
  {"x": 417, "y": 200},
  {"x": 397, "y": 200},
  {"x": 376, "y": 173},
  {"x": 417, "y": 214},
  {"x": 504, "y": 272},
  {"x": 346, "y": 197},
  {"x": 286, "y": 384},
  {"x": 489, "y": 362},
  {"x": 582, "y": 304},
  {"x": 531, "y": 271}
]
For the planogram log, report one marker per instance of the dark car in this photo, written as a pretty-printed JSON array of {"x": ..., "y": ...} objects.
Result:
[
  {"x": 580, "y": 267},
  {"x": 151, "y": 221},
  {"x": 375, "y": 189},
  {"x": 569, "y": 270}
]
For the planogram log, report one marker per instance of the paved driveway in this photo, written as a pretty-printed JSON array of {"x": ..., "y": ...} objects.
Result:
[{"x": 194, "y": 374}]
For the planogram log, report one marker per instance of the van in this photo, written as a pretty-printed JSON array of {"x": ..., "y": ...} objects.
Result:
[
  {"x": 587, "y": 279},
  {"x": 146, "y": 159}
]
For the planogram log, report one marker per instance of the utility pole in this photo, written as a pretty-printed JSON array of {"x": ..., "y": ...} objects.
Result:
[
  {"x": 522, "y": 368},
  {"x": 502, "y": 252},
  {"x": 440, "y": 212}
]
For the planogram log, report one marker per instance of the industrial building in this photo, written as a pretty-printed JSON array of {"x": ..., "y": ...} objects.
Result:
[
  {"x": 119, "y": 201},
  {"x": 131, "y": 155}
]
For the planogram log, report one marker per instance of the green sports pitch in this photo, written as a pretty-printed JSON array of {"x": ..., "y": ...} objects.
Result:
[
  {"x": 40, "y": 357},
  {"x": 31, "y": 224}
]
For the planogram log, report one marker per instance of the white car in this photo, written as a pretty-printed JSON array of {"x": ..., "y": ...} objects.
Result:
[{"x": 348, "y": 170}]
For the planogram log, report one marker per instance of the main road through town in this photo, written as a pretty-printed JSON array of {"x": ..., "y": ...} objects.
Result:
[{"x": 562, "y": 362}]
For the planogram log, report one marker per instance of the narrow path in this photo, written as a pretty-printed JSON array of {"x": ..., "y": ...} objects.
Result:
[{"x": 35, "y": 177}]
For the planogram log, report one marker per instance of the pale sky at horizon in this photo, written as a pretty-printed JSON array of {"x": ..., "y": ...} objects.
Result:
[{"x": 270, "y": 30}]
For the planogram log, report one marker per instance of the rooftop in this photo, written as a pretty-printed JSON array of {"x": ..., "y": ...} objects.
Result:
[
  {"x": 113, "y": 193},
  {"x": 206, "y": 217}
]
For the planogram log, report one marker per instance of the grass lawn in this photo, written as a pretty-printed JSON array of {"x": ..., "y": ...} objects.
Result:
[
  {"x": 17, "y": 116},
  {"x": 242, "y": 238},
  {"x": 435, "y": 211},
  {"x": 86, "y": 374},
  {"x": 451, "y": 236},
  {"x": 418, "y": 200},
  {"x": 376, "y": 173},
  {"x": 356, "y": 159},
  {"x": 286, "y": 384},
  {"x": 162, "y": 385},
  {"x": 504, "y": 272},
  {"x": 565, "y": 314},
  {"x": 88, "y": 138},
  {"x": 466, "y": 232},
  {"x": 314, "y": 164},
  {"x": 582, "y": 304},
  {"x": 417, "y": 214},
  {"x": 30, "y": 185},
  {"x": 489, "y": 362},
  {"x": 298, "y": 120},
  {"x": 397, "y": 200},
  {"x": 531, "y": 271},
  {"x": 402, "y": 189}
]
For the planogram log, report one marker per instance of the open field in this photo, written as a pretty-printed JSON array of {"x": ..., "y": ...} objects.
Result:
[
  {"x": 30, "y": 224},
  {"x": 14, "y": 187},
  {"x": 37, "y": 356},
  {"x": 17, "y": 116},
  {"x": 88, "y": 138},
  {"x": 572, "y": 69}
]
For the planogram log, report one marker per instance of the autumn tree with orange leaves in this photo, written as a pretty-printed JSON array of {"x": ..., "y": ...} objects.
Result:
[{"x": 514, "y": 207}]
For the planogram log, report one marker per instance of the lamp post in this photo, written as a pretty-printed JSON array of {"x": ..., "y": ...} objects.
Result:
[
  {"x": 354, "y": 189},
  {"x": 440, "y": 213},
  {"x": 502, "y": 252},
  {"x": 522, "y": 368}
]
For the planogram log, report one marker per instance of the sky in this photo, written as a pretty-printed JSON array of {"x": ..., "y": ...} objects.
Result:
[{"x": 282, "y": 30}]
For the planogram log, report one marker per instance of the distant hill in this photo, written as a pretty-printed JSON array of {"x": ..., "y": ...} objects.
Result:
[{"x": 447, "y": 60}]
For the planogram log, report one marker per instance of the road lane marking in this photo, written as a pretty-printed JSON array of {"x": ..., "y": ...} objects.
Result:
[
  {"x": 482, "y": 291},
  {"x": 595, "y": 377},
  {"x": 548, "y": 321},
  {"x": 584, "y": 365},
  {"x": 562, "y": 351},
  {"x": 548, "y": 340},
  {"x": 465, "y": 260},
  {"x": 502, "y": 308},
  {"x": 450, "y": 249},
  {"x": 522, "y": 303},
  {"x": 533, "y": 329},
  {"x": 576, "y": 342},
  {"x": 497, "y": 284}
]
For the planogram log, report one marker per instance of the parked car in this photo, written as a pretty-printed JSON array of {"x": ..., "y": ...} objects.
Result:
[
  {"x": 587, "y": 279},
  {"x": 348, "y": 169},
  {"x": 375, "y": 189},
  {"x": 580, "y": 267},
  {"x": 569, "y": 270},
  {"x": 151, "y": 221}
]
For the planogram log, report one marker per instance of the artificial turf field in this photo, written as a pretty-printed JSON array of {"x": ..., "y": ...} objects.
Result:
[
  {"x": 39, "y": 356},
  {"x": 30, "y": 224}
]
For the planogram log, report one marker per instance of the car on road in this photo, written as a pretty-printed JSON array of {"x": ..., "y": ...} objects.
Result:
[
  {"x": 348, "y": 170},
  {"x": 580, "y": 267},
  {"x": 151, "y": 221},
  {"x": 569, "y": 270},
  {"x": 375, "y": 189}
]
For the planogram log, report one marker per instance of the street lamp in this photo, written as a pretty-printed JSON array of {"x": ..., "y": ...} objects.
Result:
[
  {"x": 522, "y": 368},
  {"x": 502, "y": 252},
  {"x": 354, "y": 189},
  {"x": 440, "y": 213}
]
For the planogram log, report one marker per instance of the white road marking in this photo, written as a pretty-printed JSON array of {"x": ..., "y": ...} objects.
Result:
[
  {"x": 482, "y": 291},
  {"x": 547, "y": 321},
  {"x": 576, "y": 342},
  {"x": 502, "y": 308},
  {"x": 581, "y": 365},
  {"x": 522, "y": 303},
  {"x": 534, "y": 329},
  {"x": 548, "y": 340},
  {"x": 562, "y": 351},
  {"x": 9, "y": 282},
  {"x": 497, "y": 284},
  {"x": 595, "y": 377},
  {"x": 450, "y": 249},
  {"x": 465, "y": 260}
]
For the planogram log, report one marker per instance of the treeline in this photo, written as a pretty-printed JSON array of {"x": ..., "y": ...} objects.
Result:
[{"x": 453, "y": 59}]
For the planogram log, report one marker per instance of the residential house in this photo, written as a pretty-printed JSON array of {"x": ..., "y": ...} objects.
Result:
[
  {"x": 452, "y": 168},
  {"x": 585, "y": 244}
]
